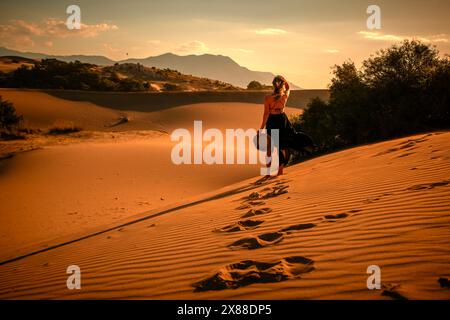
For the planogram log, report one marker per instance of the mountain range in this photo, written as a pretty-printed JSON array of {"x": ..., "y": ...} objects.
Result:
[{"x": 217, "y": 67}]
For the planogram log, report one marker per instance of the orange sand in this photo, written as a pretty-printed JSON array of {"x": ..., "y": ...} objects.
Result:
[{"x": 140, "y": 227}]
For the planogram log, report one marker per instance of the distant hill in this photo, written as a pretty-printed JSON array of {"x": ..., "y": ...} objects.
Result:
[
  {"x": 98, "y": 60},
  {"x": 210, "y": 66},
  {"x": 164, "y": 79},
  {"x": 127, "y": 77},
  {"x": 11, "y": 63}
]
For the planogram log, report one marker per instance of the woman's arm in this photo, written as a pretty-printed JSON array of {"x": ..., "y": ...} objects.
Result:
[
  {"x": 287, "y": 88},
  {"x": 266, "y": 113},
  {"x": 286, "y": 93}
]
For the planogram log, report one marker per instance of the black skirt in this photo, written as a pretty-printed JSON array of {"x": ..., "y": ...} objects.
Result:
[{"x": 289, "y": 137}]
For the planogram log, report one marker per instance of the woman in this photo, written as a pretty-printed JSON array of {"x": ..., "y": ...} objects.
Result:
[{"x": 275, "y": 118}]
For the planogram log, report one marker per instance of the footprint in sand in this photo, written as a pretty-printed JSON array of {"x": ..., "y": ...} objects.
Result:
[
  {"x": 392, "y": 291},
  {"x": 247, "y": 272},
  {"x": 298, "y": 227},
  {"x": 249, "y": 204},
  {"x": 263, "y": 181},
  {"x": 256, "y": 212},
  {"x": 267, "y": 239},
  {"x": 252, "y": 243},
  {"x": 241, "y": 226},
  {"x": 256, "y": 203},
  {"x": 386, "y": 152},
  {"x": 376, "y": 198},
  {"x": 253, "y": 196},
  {"x": 428, "y": 186},
  {"x": 408, "y": 145},
  {"x": 371, "y": 200},
  {"x": 406, "y": 154},
  {"x": 269, "y": 180},
  {"x": 444, "y": 282},
  {"x": 413, "y": 141},
  {"x": 276, "y": 191},
  {"x": 243, "y": 207},
  {"x": 279, "y": 188},
  {"x": 334, "y": 217}
]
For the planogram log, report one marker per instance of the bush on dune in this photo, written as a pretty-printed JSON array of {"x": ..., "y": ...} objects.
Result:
[
  {"x": 63, "y": 127},
  {"x": 9, "y": 119},
  {"x": 171, "y": 87},
  {"x": 399, "y": 91}
]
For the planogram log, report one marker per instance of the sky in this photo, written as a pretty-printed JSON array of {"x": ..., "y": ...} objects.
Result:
[{"x": 299, "y": 39}]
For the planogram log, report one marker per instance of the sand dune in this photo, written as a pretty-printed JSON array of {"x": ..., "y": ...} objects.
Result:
[
  {"x": 60, "y": 190},
  {"x": 100, "y": 111},
  {"x": 151, "y": 101},
  {"x": 310, "y": 234},
  {"x": 71, "y": 184}
]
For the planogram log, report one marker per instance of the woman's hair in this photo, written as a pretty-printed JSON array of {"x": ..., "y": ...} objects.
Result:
[{"x": 278, "y": 86}]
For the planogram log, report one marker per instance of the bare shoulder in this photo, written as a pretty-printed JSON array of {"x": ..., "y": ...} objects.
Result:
[{"x": 268, "y": 97}]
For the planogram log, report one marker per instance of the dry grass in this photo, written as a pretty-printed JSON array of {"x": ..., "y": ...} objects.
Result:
[{"x": 63, "y": 127}]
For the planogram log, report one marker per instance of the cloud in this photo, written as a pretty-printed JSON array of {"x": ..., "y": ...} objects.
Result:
[
  {"x": 12, "y": 37},
  {"x": 331, "y": 51},
  {"x": 396, "y": 38},
  {"x": 193, "y": 47},
  {"x": 438, "y": 38},
  {"x": 21, "y": 33},
  {"x": 380, "y": 37},
  {"x": 57, "y": 28},
  {"x": 270, "y": 32}
]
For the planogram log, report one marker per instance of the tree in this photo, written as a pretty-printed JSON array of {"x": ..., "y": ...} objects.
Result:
[
  {"x": 8, "y": 117},
  {"x": 255, "y": 85},
  {"x": 128, "y": 84},
  {"x": 401, "y": 90},
  {"x": 318, "y": 121}
]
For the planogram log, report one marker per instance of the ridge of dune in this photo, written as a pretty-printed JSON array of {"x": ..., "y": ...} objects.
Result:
[
  {"x": 44, "y": 109},
  {"x": 310, "y": 234}
]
